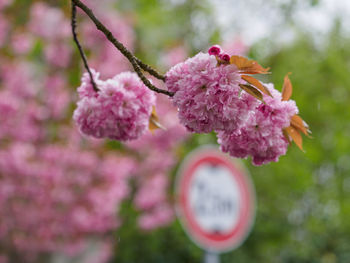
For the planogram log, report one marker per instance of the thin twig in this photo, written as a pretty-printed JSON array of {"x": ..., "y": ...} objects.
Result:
[
  {"x": 150, "y": 70},
  {"x": 132, "y": 59},
  {"x": 81, "y": 51}
]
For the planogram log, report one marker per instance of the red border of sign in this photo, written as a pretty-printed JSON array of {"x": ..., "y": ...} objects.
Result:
[{"x": 210, "y": 241}]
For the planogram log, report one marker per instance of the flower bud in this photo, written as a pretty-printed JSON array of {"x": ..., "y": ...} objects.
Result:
[
  {"x": 215, "y": 50},
  {"x": 225, "y": 57}
]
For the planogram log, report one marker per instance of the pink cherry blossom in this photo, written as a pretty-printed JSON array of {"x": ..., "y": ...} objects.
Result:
[
  {"x": 22, "y": 43},
  {"x": 152, "y": 192},
  {"x": 53, "y": 196},
  {"x": 207, "y": 95},
  {"x": 19, "y": 78},
  {"x": 120, "y": 111},
  {"x": 215, "y": 50},
  {"x": 56, "y": 96},
  {"x": 48, "y": 22},
  {"x": 262, "y": 136},
  {"x": 19, "y": 120},
  {"x": 4, "y": 3},
  {"x": 58, "y": 53},
  {"x": 86, "y": 89},
  {"x": 225, "y": 57},
  {"x": 160, "y": 216}
]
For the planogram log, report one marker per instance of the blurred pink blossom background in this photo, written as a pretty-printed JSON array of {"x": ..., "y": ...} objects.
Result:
[{"x": 61, "y": 191}]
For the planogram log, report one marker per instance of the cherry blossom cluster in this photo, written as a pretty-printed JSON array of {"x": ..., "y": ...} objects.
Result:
[
  {"x": 120, "y": 109},
  {"x": 207, "y": 96},
  {"x": 262, "y": 135},
  {"x": 216, "y": 92},
  {"x": 55, "y": 196},
  {"x": 50, "y": 24},
  {"x": 213, "y": 92}
]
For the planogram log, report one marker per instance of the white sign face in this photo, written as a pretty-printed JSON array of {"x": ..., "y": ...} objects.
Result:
[{"x": 215, "y": 200}]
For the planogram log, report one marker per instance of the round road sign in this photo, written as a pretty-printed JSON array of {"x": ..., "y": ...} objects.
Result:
[{"x": 215, "y": 200}]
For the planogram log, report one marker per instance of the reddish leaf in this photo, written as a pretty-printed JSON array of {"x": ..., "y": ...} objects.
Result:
[
  {"x": 287, "y": 88},
  {"x": 286, "y": 135},
  {"x": 154, "y": 121},
  {"x": 256, "y": 83},
  {"x": 298, "y": 123},
  {"x": 295, "y": 136},
  {"x": 247, "y": 66},
  {"x": 252, "y": 91}
]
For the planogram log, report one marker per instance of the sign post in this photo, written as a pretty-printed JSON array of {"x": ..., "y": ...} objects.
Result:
[
  {"x": 215, "y": 201},
  {"x": 211, "y": 257}
]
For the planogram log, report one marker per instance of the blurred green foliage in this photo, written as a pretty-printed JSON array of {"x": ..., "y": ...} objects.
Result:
[{"x": 304, "y": 199}]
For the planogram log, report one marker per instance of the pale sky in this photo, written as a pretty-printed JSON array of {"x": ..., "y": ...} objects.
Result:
[{"x": 256, "y": 19}]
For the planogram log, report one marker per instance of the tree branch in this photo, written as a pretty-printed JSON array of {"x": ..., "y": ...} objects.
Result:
[
  {"x": 150, "y": 70},
  {"x": 81, "y": 51},
  {"x": 135, "y": 62}
]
